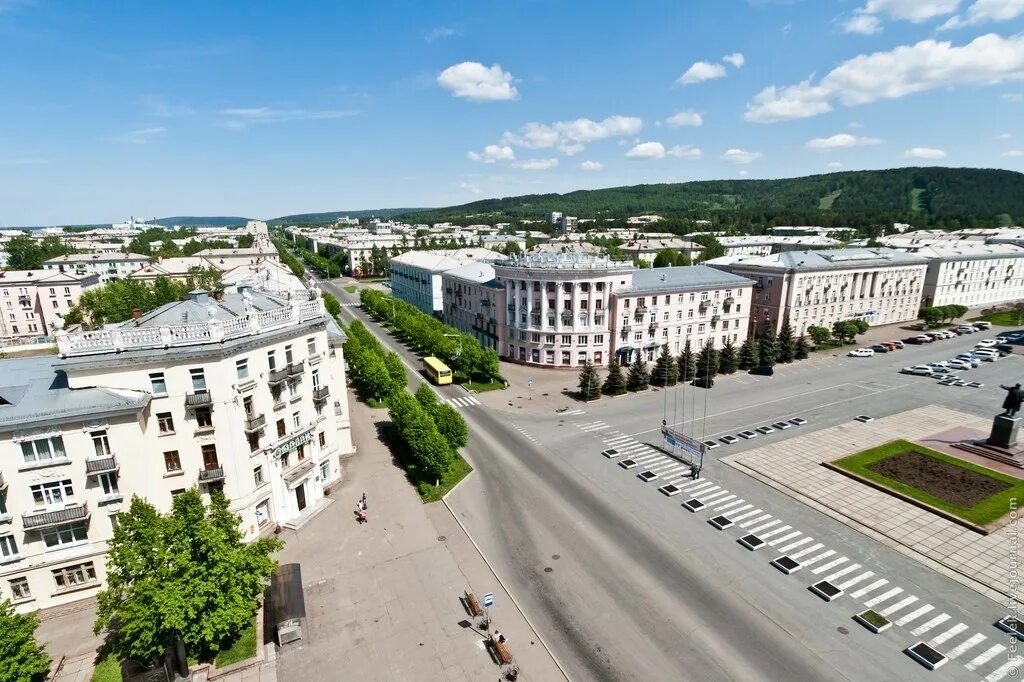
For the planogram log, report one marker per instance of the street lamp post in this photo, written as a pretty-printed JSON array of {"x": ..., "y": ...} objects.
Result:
[{"x": 458, "y": 353}]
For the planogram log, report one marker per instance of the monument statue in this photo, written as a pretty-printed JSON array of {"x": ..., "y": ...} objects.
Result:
[{"x": 1014, "y": 397}]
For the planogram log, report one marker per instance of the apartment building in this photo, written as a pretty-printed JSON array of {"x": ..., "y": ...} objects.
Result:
[
  {"x": 880, "y": 286},
  {"x": 649, "y": 248},
  {"x": 245, "y": 394},
  {"x": 109, "y": 266},
  {"x": 669, "y": 306},
  {"x": 474, "y": 303},
  {"x": 33, "y": 302},
  {"x": 764, "y": 245},
  {"x": 972, "y": 274},
  {"x": 416, "y": 275}
]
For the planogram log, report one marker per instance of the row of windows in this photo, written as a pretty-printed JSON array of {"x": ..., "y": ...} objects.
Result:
[
  {"x": 64, "y": 579},
  {"x": 691, "y": 297},
  {"x": 584, "y": 287}
]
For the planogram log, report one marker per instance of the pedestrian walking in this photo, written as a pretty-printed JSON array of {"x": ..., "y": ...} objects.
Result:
[{"x": 363, "y": 501}]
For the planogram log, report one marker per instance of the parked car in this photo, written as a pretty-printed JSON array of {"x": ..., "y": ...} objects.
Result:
[
  {"x": 986, "y": 343},
  {"x": 1002, "y": 339},
  {"x": 972, "y": 360},
  {"x": 1015, "y": 336},
  {"x": 982, "y": 325},
  {"x": 1005, "y": 349},
  {"x": 940, "y": 363},
  {"x": 898, "y": 344},
  {"x": 955, "y": 330},
  {"x": 936, "y": 336},
  {"x": 880, "y": 348},
  {"x": 918, "y": 370},
  {"x": 924, "y": 338},
  {"x": 861, "y": 353},
  {"x": 959, "y": 364},
  {"x": 966, "y": 329},
  {"x": 937, "y": 371}
]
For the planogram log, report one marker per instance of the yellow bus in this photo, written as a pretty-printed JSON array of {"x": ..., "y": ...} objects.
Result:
[{"x": 437, "y": 371}]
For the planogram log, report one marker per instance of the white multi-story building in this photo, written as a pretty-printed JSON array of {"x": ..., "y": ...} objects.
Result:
[
  {"x": 764, "y": 245},
  {"x": 109, "y": 266},
  {"x": 245, "y": 394},
  {"x": 972, "y": 274},
  {"x": 32, "y": 301},
  {"x": 666, "y": 307},
  {"x": 474, "y": 303},
  {"x": 416, "y": 275}
]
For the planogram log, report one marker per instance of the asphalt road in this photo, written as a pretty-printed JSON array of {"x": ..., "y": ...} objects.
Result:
[{"x": 624, "y": 585}]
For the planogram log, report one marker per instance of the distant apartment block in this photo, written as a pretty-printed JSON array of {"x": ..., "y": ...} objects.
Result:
[
  {"x": 473, "y": 302},
  {"x": 416, "y": 275},
  {"x": 972, "y": 274},
  {"x": 109, "y": 266},
  {"x": 33, "y": 302}
]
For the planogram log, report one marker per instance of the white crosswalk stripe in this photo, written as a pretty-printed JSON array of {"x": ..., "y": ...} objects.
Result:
[
  {"x": 971, "y": 642},
  {"x": 758, "y": 529},
  {"x": 948, "y": 634},
  {"x": 853, "y": 581},
  {"x": 830, "y": 565},
  {"x": 815, "y": 559},
  {"x": 573, "y": 413},
  {"x": 773, "y": 532},
  {"x": 901, "y": 604},
  {"x": 984, "y": 657},
  {"x": 759, "y": 519},
  {"x": 595, "y": 427},
  {"x": 881, "y": 582},
  {"x": 933, "y": 623},
  {"x": 730, "y": 505},
  {"x": 793, "y": 545},
  {"x": 737, "y": 519},
  {"x": 1001, "y": 672},
  {"x": 804, "y": 552},
  {"x": 693, "y": 486},
  {"x": 787, "y": 536},
  {"x": 708, "y": 498},
  {"x": 914, "y": 615},
  {"x": 882, "y": 597},
  {"x": 845, "y": 570},
  {"x": 621, "y": 440}
]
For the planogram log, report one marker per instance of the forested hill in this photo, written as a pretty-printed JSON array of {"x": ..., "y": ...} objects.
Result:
[
  {"x": 942, "y": 197},
  {"x": 384, "y": 213},
  {"x": 202, "y": 221}
]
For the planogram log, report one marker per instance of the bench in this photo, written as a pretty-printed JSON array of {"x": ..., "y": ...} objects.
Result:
[
  {"x": 501, "y": 650},
  {"x": 474, "y": 605}
]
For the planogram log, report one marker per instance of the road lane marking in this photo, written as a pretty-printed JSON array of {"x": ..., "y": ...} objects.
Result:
[
  {"x": 915, "y": 614},
  {"x": 794, "y": 545},
  {"x": 984, "y": 657},
  {"x": 832, "y": 564},
  {"x": 746, "y": 515},
  {"x": 948, "y": 634},
  {"x": 1000, "y": 672},
  {"x": 759, "y": 519},
  {"x": 881, "y": 582},
  {"x": 934, "y": 622},
  {"x": 901, "y": 604},
  {"x": 853, "y": 581},
  {"x": 773, "y": 532},
  {"x": 815, "y": 559},
  {"x": 757, "y": 529},
  {"x": 787, "y": 536},
  {"x": 722, "y": 507},
  {"x": 708, "y": 498},
  {"x": 813, "y": 548},
  {"x": 841, "y": 572},
  {"x": 882, "y": 597},
  {"x": 973, "y": 641}
]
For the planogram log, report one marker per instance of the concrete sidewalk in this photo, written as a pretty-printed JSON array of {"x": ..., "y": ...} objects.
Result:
[{"x": 383, "y": 599}]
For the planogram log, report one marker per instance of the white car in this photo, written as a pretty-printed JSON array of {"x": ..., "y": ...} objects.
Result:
[
  {"x": 986, "y": 343},
  {"x": 982, "y": 325},
  {"x": 940, "y": 363},
  {"x": 966, "y": 329},
  {"x": 919, "y": 370},
  {"x": 972, "y": 360},
  {"x": 861, "y": 353},
  {"x": 1002, "y": 339},
  {"x": 959, "y": 364}
]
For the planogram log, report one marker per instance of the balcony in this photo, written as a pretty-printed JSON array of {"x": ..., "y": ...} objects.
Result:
[
  {"x": 198, "y": 399},
  {"x": 255, "y": 422},
  {"x": 321, "y": 392},
  {"x": 100, "y": 465},
  {"x": 211, "y": 475},
  {"x": 276, "y": 376},
  {"x": 641, "y": 310},
  {"x": 40, "y": 520},
  {"x": 652, "y": 326},
  {"x": 296, "y": 368}
]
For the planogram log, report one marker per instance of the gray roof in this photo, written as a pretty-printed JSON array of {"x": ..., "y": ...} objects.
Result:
[
  {"x": 335, "y": 334},
  {"x": 201, "y": 307},
  {"x": 35, "y": 391},
  {"x": 476, "y": 273},
  {"x": 684, "y": 278},
  {"x": 832, "y": 259}
]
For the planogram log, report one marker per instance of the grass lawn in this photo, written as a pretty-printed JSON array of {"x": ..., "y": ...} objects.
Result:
[
  {"x": 1004, "y": 318},
  {"x": 431, "y": 493},
  {"x": 377, "y": 404},
  {"x": 422, "y": 481},
  {"x": 350, "y": 288},
  {"x": 984, "y": 512},
  {"x": 244, "y": 647},
  {"x": 492, "y": 385},
  {"x": 107, "y": 670}
]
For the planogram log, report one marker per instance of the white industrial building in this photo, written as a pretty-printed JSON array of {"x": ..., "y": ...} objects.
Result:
[{"x": 416, "y": 275}]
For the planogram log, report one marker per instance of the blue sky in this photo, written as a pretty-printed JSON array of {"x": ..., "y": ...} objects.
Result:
[{"x": 263, "y": 109}]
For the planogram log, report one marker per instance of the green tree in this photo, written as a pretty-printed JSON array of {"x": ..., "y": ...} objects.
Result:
[
  {"x": 712, "y": 247},
  {"x": 800, "y": 349},
  {"x": 748, "y": 355},
  {"x": 727, "y": 360},
  {"x": 331, "y": 304},
  {"x": 25, "y": 253},
  {"x": 185, "y": 574},
  {"x": 862, "y": 325},
  {"x": 687, "y": 363},
  {"x": 638, "y": 378},
  {"x": 426, "y": 397},
  {"x": 589, "y": 382},
  {"x": 614, "y": 383},
  {"x": 670, "y": 258},
  {"x": 396, "y": 372},
  {"x": 786, "y": 342},
  {"x": 450, "y": 425},
  {"x": 22, "y": 657},
  {"x": 375, "y": 378},
  {"x": 931, "y": 316},
  {"x": 768, "y": 346},
  {"x": 707, "y": 360},
  {"x": 845, "y": 330},
  {"x": 820, "y": 335},
  {"x": 665, "y": 372}
]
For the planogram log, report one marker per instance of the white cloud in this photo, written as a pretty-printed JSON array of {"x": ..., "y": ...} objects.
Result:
[
  {"x": 736, "y": 59},
  {"x": 915, "y": 11},
  {"x": 1014, "y": 153},
  {"x": 1004, "y": 136},
  {"x": 743, "y": 173},
  {"x": 835, "y": 164},
  {"x": 685, "y": 118},
  {"x": 1012, "y": 96},
  {"x": 985, "y": 11},
  {"x": 591, "y": 165},
  {"x": 700, "y": 72},
  {"x": 647, "y": 150},
  {"x": 854, "y": 124},
  {"x": 841, "y": 141},
  {"x": 930, "y": 64},
  {"x": 685, "y": 151},
  {"x": 740, "y": 157},
  {"x": 928, "y": 153},
  {"x": 478, "y": 83},
  {"x": 863, "y": 24},
  {"x": 536, "y": 164},
  {"x": 439, "y": 33},
  {"x": 493, "y": 153},
  {"x": 571, "y": 136},
  {"x": 470, "y": 187},
  {"x": 243, "y": 117},
  {"x": 143, "y": 135}
]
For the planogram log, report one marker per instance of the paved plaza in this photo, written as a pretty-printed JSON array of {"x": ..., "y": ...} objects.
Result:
[{"x": 793, "y": 466}]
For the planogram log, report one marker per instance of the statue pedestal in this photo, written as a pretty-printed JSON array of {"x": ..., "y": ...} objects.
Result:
[{"x": 1004, "y": 431}]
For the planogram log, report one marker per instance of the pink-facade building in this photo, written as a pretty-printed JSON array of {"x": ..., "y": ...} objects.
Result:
[{"x": 32, "y": 301}]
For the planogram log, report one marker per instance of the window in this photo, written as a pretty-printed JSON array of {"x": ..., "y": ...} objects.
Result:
[
  {"x": 204, "y": 417},
  {"x": 43, "y": 450},
  {"x": 325, "y": 471},
  {"x": 566, "y": 340},
  {"x": 254, "y": 441},
  {"x": 311, "y": 345},
  {"x": 247, "y": 405},
  {"x": 280, "y": 428},
  {"x": 293, "y": 387},
  {"x": 65, "y": 535},
  {"x": 165, "y": 422},
  {"x": 257, "y": 475},
  {"x": 52, "y": 493},
  {"x": 171, "y": 461},
  {"x": 300, "y": 452},
  {"x": 108, "y": 481},
  {"x": 296, "y": 420},
  {"x": 210, "y": 456},
  {"x": 70, "y": 577},
  {"x": 242, "y": 369},
  {"x": 271, "y": 360},
  {"x": 8, "y": 548},
  {"x": 100, "y": 443},
  {"x": 263, "y": 513},
  {"x": 3, "y": 502},
  {"x": 288, "y": 359},
  {"x": 583, "y": 340},
  {"x": 549, "y": 338},
  {"x": 198, "y": 379},
  {"x": 19, "y": 589},
  {"x": 322, "y": 438},
  {"x": 175, "y": 493},
  {"x": 158, "y": 383},
  {"x": 598, "y": 338}
]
